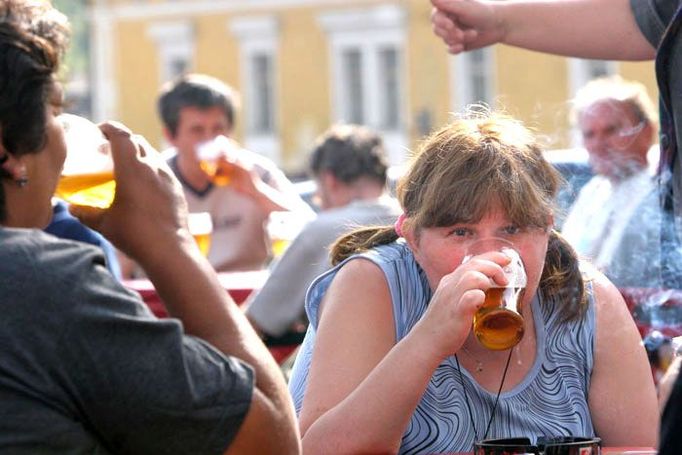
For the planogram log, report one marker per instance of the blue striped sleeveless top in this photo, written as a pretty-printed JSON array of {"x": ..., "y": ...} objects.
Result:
[{"x": 550, "y": 401}]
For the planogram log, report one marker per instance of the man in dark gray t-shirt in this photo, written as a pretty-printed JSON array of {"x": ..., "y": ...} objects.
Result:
[
  {"x": 88, "y": 369},
  {"x": 84, "y": 366}
]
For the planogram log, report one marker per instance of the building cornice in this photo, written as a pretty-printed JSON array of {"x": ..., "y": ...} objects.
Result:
[
  {"x": 368, "y": 18},
  {"x": 138, "y": 10}
]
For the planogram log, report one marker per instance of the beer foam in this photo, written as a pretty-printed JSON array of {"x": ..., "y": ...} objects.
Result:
[
  {"x": 514, "y": 271},
  {"x": 87, "y": 148}
]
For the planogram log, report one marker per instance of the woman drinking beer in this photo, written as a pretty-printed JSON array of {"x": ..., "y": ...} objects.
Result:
[{"x": 390, "y": 362}]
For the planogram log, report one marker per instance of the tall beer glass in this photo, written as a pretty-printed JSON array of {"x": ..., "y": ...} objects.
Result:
[
  {"x": 88, "y": 173},
  {"x": 201, "y": 227},
  {"x": 498, "y": 325},
  {"x": 213, "y": 158}
]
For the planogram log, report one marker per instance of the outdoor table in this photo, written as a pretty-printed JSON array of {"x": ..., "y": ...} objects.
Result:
[
  {"x": 655, "y": 309},
  {"x": 238, "y": 284}
]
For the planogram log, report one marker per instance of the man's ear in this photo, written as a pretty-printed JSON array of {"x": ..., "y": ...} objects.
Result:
[
  {"x": 649, "y": 134},
  {"x": 329, "y": 180},
  {"x": 168, "y": 136},
  {"x": 12, "y": 166}
]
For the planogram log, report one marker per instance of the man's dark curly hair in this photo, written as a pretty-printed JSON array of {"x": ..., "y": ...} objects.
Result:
[
  {"x": 350, "y": 152},
  {"x": 33, "y": 39}
]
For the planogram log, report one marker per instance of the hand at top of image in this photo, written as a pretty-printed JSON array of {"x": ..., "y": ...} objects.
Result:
[{"x": 465, "y": 25}]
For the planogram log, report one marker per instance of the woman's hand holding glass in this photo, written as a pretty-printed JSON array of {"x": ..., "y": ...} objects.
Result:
[
  {"x": 448, "y": 319},
  {"x": 498, "y": 324}
]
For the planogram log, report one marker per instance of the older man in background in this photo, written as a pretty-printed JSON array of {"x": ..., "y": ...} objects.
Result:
[{"x": 617, "y": 122}]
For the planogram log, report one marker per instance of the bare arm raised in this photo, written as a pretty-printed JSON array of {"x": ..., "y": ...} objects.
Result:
[
  {"x": 148, "y": 222},
  {"x": 362, "y": 382},
  {"x": 600, "y": 29}
]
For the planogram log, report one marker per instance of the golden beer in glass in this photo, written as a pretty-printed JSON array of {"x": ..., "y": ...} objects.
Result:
[
  {"x": 88, "y": 174},
  {"x": 203, "y": 242},
  {"x": 282, "y": 228},
  {"x": 201, "y": 228},
  {"x": 213, "y": 160},
  {"x": 279, "y": 246},
  {"x": 95, "y": 190},
  {"x": 498, "y": 325},
  {"x": 218, "y": 171}
]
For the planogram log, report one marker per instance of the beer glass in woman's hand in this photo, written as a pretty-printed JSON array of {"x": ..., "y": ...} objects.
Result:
[{"x": 498, "y": 325}]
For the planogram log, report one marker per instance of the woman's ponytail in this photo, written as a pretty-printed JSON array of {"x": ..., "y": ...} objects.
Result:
[
  {"x": 361, "y": 240},
  {"x": 562, "y": 278}
]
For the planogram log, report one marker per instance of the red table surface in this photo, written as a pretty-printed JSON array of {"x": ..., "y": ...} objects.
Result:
[
  {"x": 655, "y": 309},
  {"x": 238, "y": 284}
]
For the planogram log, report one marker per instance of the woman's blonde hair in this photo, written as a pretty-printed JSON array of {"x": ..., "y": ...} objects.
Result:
[{"x": 479, "y": 159}]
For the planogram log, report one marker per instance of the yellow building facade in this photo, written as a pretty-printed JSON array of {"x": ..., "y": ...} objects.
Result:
[{"x": 301, "y": 65}]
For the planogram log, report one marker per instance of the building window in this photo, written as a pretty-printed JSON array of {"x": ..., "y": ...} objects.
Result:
[
  {"x": 351, "y": 66},
  {"x": 472, "y": 80},
  {"x": 368, "y": 85},
  {"x": 581, "y": 71},
  {"x": 366, "y": 49},
  {"x": 257, "y": 38},
  {"x": 389, "y": 72},
  {"x": 176, "y": 67},
  {"x": 262, "y": 115},
  {"x": 175, "y": 42}
]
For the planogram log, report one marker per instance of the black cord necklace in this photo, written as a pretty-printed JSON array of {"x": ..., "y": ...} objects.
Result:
[{"x": 497, "y": 398}]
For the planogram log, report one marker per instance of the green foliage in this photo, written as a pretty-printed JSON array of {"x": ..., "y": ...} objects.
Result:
[{"x": 77, "y": 56}]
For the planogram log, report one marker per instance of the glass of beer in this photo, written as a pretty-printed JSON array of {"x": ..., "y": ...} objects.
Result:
[
  {"x": 498, "y": 325},
  {"x": 201, "y": 227},
  {"x": 213, "y": 159},
  {"x": 88, "y": 174},
  {"x": 282, "y": 228}
]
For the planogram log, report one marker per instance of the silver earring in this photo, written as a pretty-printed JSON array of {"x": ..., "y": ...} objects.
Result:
[{"x": 22, "y": 180}]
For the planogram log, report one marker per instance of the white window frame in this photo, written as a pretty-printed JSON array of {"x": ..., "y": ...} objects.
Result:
[
  {"x": 580, "y": 71},
  {"x": 104, "y": 93},
  {"x": 462, "y": 72},
  {"x": 258, "y": 36},
  {"x": 369, "y": 30},
  {"x": 174, "y": 41}
]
